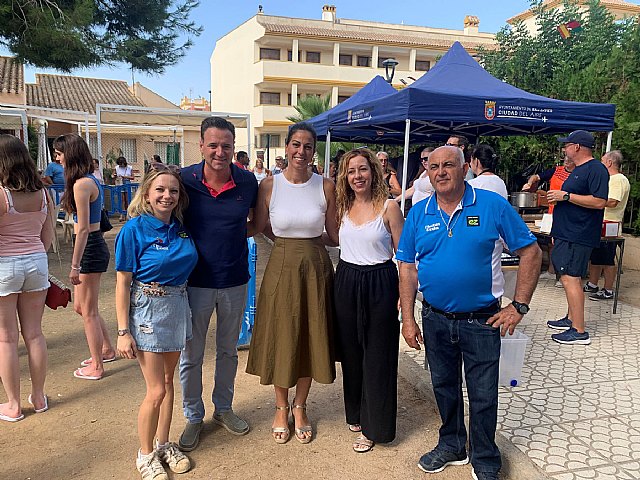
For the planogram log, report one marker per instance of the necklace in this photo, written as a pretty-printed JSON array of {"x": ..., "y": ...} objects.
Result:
[{"x": 448, "y": 224}]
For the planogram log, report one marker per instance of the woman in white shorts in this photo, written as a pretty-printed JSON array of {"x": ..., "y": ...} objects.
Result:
[{"x": 26, "y": 232}]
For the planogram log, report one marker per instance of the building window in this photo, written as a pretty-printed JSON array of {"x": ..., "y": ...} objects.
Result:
[
  {"x": 288, "y": 99},
  {"x": 380, "y": 60},
  {"x": 274, "y": 141},
  {"x": 168, "y": 152},
  {"x": 364, "y": 61},
  {"x": 128, "y": 147},
  {"x": 342, "y": 98},
  {"x": 269, "y": 54},
  {"x": 423, "y": 65},
  {"x": 313, "y": 57},
  {"x": 269, "y": 98},
  {"x": 346, "y": 59}
]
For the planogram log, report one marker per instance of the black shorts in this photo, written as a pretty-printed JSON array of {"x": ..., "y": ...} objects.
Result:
[
  {"x": 570, "y": 258},
  {"x": 95, "y": 258},
  {"x": 605, "y": 254}
]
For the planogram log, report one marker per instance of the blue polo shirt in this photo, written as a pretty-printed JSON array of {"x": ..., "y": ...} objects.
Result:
[
  {"x": 56, "y": 172},
  {"x": 218, "y": 226},
  {"x": 462, "y": 273},
  {"x": 155, "y": 252},
  {"x": 582, "y": 225}
]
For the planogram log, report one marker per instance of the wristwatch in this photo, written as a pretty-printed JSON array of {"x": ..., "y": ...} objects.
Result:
[
  {"x": 521, "y": 308},
  {"x": 566, "y": 197},
  {"x": 122, "y": 332}
]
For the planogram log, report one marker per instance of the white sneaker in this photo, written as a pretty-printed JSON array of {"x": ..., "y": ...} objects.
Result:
[
  {"x": 547, "y": 276},
  {"x": 150, "y": 467},
  {"x": 177, "y": 461},
  {"x": 559, "y": 284}
]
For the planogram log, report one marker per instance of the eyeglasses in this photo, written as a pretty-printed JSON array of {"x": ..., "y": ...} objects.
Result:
[
  {"x": 452, "y": 145},
  {"x": 161, "y": 167}
]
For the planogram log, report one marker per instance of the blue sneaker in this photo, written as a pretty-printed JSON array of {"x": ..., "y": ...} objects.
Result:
[
  {"x": 572, "y": 337},
  {"x": 483, "y": 475},
  {"x": 562, "y": 324},
  {"x": 437, "y": 460}
]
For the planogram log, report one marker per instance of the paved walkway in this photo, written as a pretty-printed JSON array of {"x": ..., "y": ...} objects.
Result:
[{"x": 576, "y": 413}]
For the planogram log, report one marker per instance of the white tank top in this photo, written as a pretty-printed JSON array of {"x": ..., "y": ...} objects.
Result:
[
  {"x": 297, "y": 210},
  {"x": 367, "y": 244},
  {"x": 422, "y": 189}
]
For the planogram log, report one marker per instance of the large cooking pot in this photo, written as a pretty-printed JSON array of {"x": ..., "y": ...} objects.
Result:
[{"x": 524, "y": 199}]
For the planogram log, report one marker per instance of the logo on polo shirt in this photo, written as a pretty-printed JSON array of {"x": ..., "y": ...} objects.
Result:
[
  {"x": 432, "y": 228},
  {"x": 183, "y": 234},
  {"x": 473, "y": 221},
  {"x": 159, "y": 245}
]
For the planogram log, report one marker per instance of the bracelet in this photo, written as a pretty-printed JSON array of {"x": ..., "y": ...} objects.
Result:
[{"x": 75, "y": 268}]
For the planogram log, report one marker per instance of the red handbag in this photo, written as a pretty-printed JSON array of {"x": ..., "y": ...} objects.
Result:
[{"x": 58, "y": 295}]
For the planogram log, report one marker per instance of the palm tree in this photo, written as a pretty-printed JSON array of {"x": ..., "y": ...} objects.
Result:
[{"x": 309, "y": 106}]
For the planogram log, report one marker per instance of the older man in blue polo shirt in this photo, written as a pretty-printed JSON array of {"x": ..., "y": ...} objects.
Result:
[
  {"x": 455, "y": 237},
  {"x": 221, "y": 198}
]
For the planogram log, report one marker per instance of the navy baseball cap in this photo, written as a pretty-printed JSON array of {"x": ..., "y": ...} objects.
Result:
[{"x": 580, "y": 137}]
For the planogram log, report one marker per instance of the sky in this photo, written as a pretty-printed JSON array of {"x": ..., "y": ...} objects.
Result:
[{"x": 191, "y": 75}]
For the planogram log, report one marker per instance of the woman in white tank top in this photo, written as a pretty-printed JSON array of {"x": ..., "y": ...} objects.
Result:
[
  {"x": 366, "y": 298},
  {"x": 292, "y": 340}
]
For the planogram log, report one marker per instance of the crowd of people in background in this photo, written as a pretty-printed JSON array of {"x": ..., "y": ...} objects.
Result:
[{"x": 183, "y": 255}]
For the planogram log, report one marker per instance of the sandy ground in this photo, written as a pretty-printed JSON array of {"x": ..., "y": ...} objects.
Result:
[{"x": 90, "y": 430}]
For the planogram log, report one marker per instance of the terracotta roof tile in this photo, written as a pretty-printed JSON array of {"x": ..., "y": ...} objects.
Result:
[
  {"x": 555, "y": 3},
  {"x": 370, "y": 34},
  {"x": 78, "y": 93},
  {"x": 11, "y": 75}
]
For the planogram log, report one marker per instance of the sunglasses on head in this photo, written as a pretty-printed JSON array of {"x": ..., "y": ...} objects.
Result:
[{"x": 161, "y": 167}]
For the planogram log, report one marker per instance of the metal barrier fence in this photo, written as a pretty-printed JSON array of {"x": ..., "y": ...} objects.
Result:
[
  {"x": 250, "y": 309},
  {"x": 118, "y": 197}
]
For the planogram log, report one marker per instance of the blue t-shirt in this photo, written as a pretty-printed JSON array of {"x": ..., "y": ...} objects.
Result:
[
  {"x": 154, "y": 251},
  {"x": 219, "y": 227},
  {"x": 462, "y": 272},
  {"x": 56, "y": 172},
  {"x": 573, "y": 223}
]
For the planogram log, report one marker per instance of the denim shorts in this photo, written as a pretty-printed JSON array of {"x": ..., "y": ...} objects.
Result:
[
  {"x": 24, "y": 273},
  {"x": 159, "y": 322},
  {"x": 95, "y": 258}
]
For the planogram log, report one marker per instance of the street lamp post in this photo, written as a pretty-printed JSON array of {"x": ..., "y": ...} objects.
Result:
[
  {"x": 389, "y": 68},
  {"x": 210, "y": 107}
]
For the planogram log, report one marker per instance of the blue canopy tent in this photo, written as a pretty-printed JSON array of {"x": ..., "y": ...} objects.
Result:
[{"x": 459, "y": 96}]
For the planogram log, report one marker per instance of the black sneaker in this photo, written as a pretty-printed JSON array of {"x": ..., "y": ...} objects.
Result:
[
  {"x": 437, "y": 460},
  {"x": 483, "y": 475},
  {"x": 589, "y": 289},
  {"x": 603, "y": 294}
]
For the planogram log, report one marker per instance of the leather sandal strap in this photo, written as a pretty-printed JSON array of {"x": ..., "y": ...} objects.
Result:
[
  {"x": 303, "y": 406},
  {"x": 285, "y": 407}
]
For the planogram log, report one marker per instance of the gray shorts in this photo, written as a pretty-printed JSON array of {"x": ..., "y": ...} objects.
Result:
[
  {"x": 159, "y": 323},
  {"x": 24, "y": 274}
]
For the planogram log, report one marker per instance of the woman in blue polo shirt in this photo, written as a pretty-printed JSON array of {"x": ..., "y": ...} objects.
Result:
[{"x": 154, "y": 257}]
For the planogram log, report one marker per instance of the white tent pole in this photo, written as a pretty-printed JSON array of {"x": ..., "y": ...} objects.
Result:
[
  {"x": 609, "y": 138},
  {"x": 327, "y": 153},
  {"x": 249, "y": 136},
  {"x": 25, "y": 130},
  {"x": 405, "y": 163},
  {"x": 99, "y": 136},
  {"x": 86, "y": 128}
]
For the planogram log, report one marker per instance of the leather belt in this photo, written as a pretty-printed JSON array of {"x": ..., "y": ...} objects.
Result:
[{"x": 483, "y": 313}]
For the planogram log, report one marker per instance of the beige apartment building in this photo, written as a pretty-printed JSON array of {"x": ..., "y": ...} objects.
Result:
[
  {"x": 619, "y": 8},
  {"x": 265, "y": 65}
]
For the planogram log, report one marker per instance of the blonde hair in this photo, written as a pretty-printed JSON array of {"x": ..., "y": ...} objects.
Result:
[
  {"x": 345, "y": 195},
  {"x": 140, "y": 206}
]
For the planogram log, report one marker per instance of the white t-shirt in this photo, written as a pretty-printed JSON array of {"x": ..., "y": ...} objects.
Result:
[
  {"x": 422, "y": 188},
  {"x": 493, "y": 183}
]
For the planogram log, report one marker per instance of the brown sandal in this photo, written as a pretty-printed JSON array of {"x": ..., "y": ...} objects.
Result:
[
  {"x": 362, "y": 444},
  {"x": 300, "y": 432},
  {"x": 275, "y": 430}
]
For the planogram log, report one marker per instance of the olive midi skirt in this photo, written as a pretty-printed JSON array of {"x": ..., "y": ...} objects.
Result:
[{"x": 293, "y": 330}]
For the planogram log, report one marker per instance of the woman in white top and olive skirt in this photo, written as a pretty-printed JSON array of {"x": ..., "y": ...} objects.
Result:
[
  {"x": 366, "y": 298},
  {"x": 292, "y": 336}
]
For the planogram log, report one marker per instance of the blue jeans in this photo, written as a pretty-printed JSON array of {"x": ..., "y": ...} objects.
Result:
[
  {"x": 229, "y": 304},
  {"x": 448, "y": 343}
]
